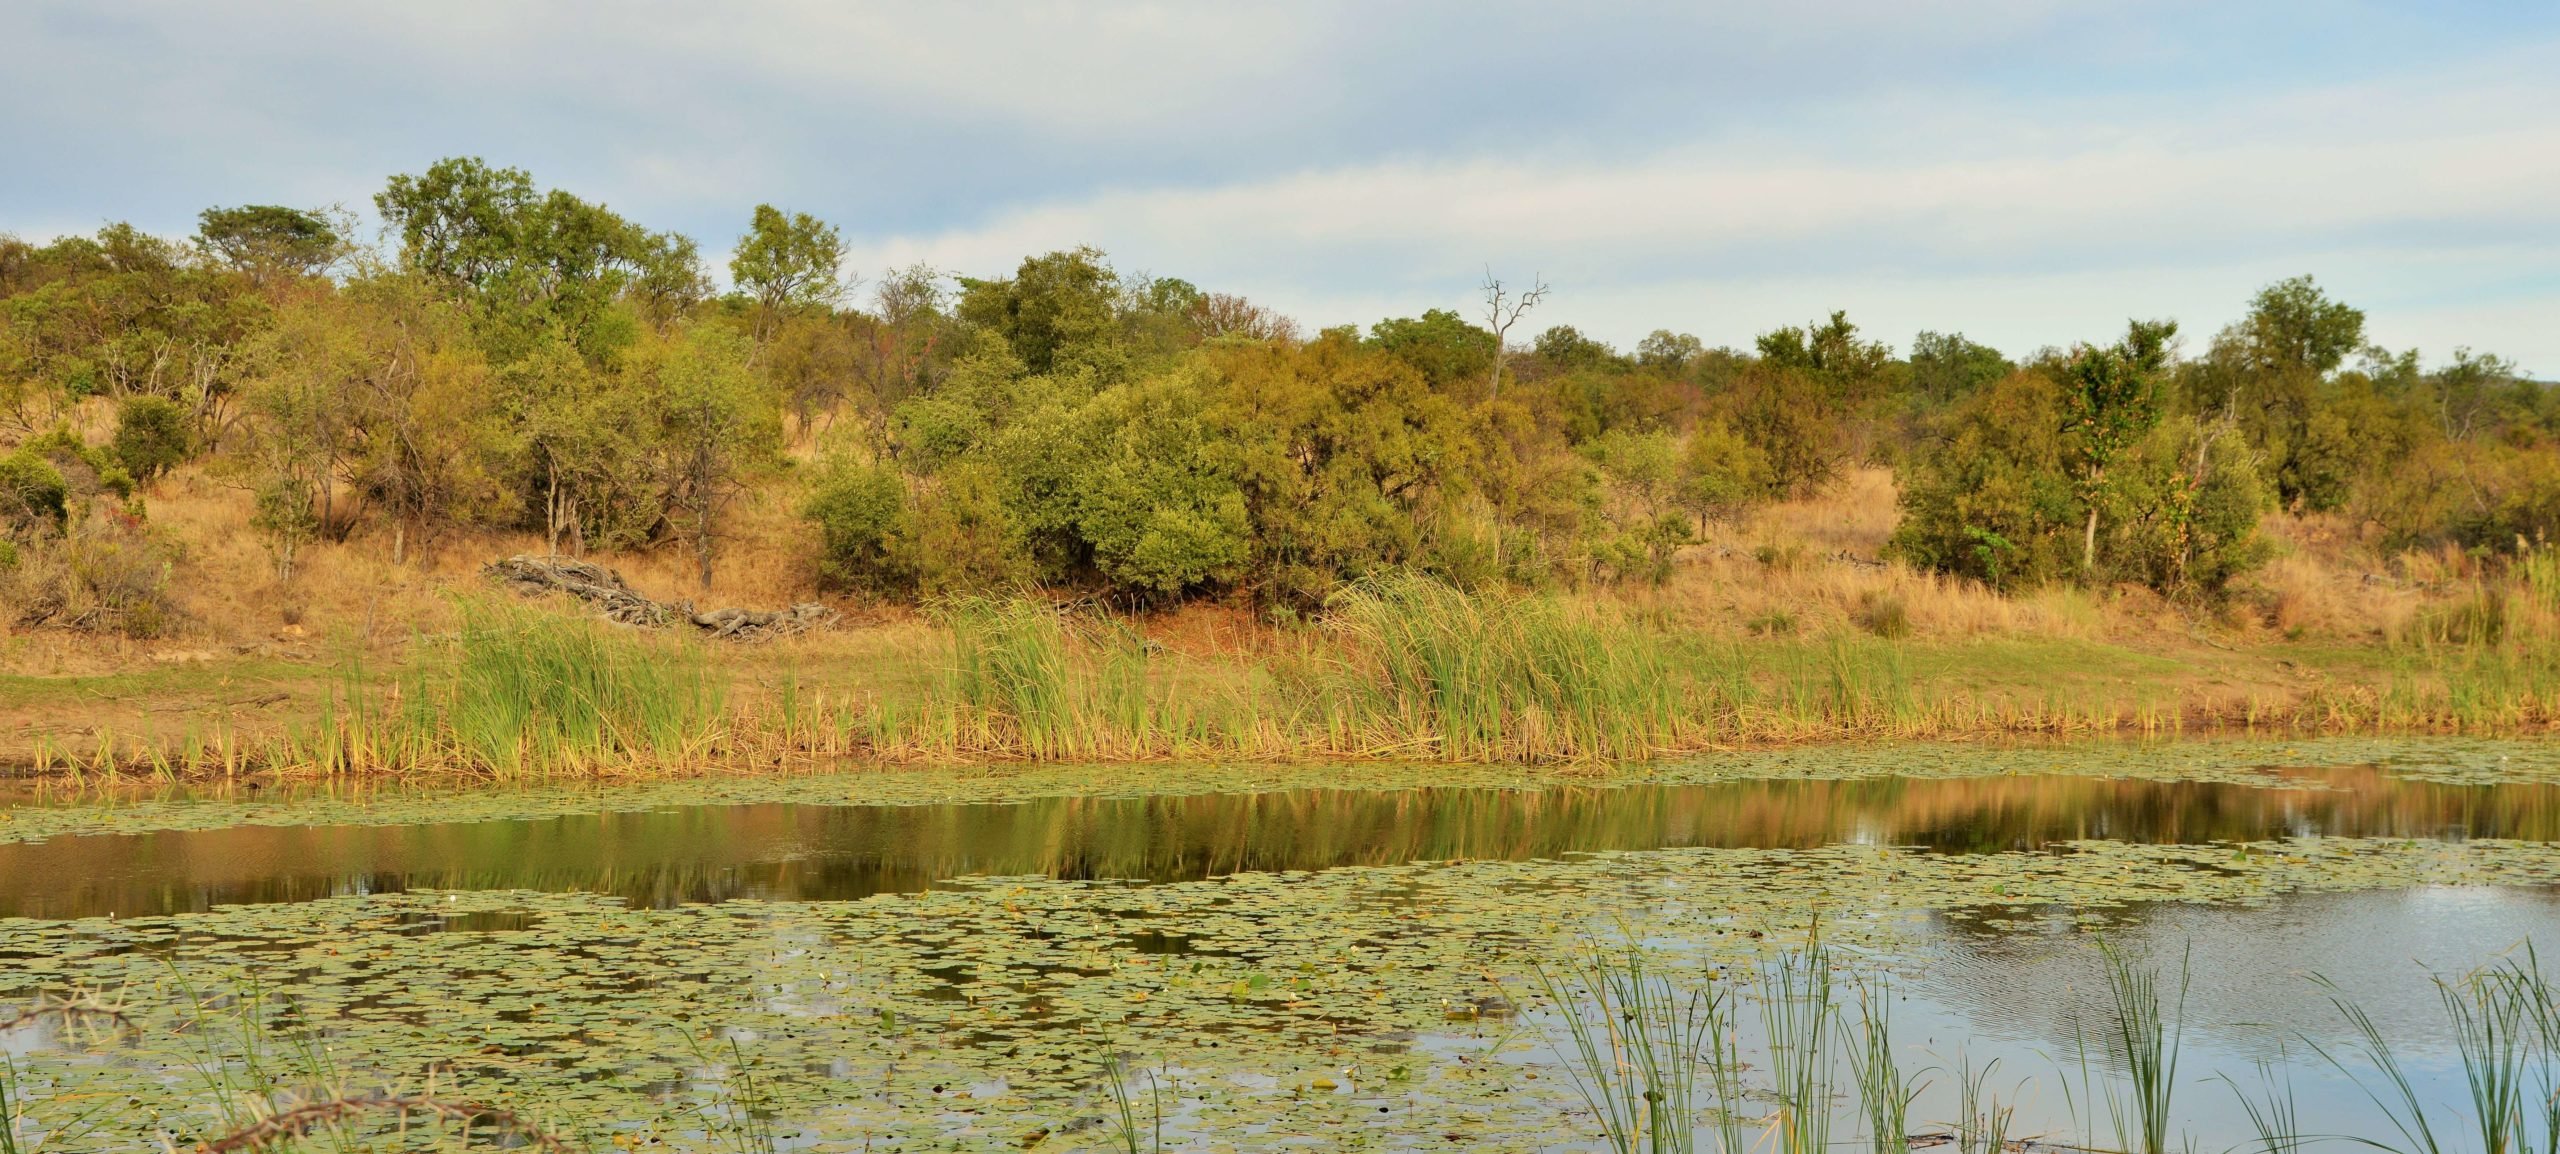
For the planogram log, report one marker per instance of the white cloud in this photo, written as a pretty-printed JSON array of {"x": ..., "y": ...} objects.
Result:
[
  {"x": 2414, "y": 194},
  {"x": 2032, "y": 170}
]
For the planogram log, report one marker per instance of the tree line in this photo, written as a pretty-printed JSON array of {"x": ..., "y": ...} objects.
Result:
[{"x": 519, "y": 358}]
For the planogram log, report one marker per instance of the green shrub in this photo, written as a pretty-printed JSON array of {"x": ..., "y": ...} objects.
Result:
[
  {"x": 284, "y": 511},
  {"x": 860, "y": 511},
  {"x": 890, "y": 534},
  {"x": 2183, "y": 520},
  {"x": 32, "y": 493},
  {"x": 152, "y": 436},
  {"x": 1157, "y": 503},
  {"x": 1721, "y": 475},
  {"x": 86, "y": 469},
  {"x": 1992, "y": 501},
  {"x": 958, "y": 536}
]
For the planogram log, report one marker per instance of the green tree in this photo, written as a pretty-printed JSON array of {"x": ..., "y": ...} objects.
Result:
[
  {"x": 1946, "y": 366},
  {"x": 283, "y": 510},
  {"x": 1990, "y": 501},
  {"x": 1450, "y": 353},
  {"x": 1721, "y": 475},
  {"x": 270, "y": 242},
  {"x": 532, "y": 262},
  {"x": 1057, "y": 312},
  {"x": 2111, "y": 400},
  {"x": 1849, "y": 370},
  {"x": 2268, "y": 373},
  {"x": 1790, "y": 418},
  {"x": 669, "y": 282},
  {"x": 2188, "y": 510},
  {"x": 788, "y": 261},
  {"x": 2293, "y": 327},
  {"x": 715, "y": 423},
  {"x": 1665, "y": 351},
  {"x": 461, "y": 221}
]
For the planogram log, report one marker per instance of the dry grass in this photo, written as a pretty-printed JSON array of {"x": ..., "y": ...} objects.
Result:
[
  {"x": 1815, "y": 566},
  {"x": 2327, "y": 635}
]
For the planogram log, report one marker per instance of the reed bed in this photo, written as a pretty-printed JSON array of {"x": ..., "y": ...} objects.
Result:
[
  {"x": 1653, "y": 1053},
  {"x": 518, "y": 692},
  {"x": 1399, "y": 667}
]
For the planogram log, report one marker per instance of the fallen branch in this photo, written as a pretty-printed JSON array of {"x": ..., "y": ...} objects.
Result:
[
  {"x": 86, "y": 1007},
  {"x": 298, "y": 1122},
  {"x": 614, "y": 597}
]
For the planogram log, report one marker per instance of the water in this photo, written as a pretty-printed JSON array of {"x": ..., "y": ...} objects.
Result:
[
  {"x": 2024, "y": 988},
  {"x": 801, "y": 852},
  {"x": 2259, "y": 987}
]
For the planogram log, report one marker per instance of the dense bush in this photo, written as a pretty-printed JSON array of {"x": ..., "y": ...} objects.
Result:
[
  {"x": 520, "y": 358},
  {"x": 1992, "y": 501},
  {"x": 2184, "y": 519},
  {"x": 153, "y": 436},
  {"x": 2000, "y": 500},
  {"x": 861, "y": 512},
  {"x": 32, "y": 493},
  {"x": 105, "y": 572}
]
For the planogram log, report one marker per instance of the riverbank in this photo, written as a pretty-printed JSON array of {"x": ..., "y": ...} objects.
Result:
[
  {"x": 1404, "y": 672},
  {"x": 1782, "y": 632}
]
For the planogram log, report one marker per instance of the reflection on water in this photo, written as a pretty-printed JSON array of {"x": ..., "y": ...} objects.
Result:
[
  {"x": 815, "y": 852},
  {"x": 2025, "y": 995}
]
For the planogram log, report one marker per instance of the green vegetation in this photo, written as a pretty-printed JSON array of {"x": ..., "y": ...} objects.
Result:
[
  {"x": 1638, "y": 1047},
  {"x": 2144, "y": 1037},
  {"x": 519, "y": 692},
  {"x": 519, "y": 358}
]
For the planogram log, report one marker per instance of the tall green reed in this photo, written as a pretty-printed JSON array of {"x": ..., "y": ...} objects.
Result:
[
  {"x": 2275, "y": 1117},
  {"x": 2506, "y": 1032},
  {"x": 2144, "y": 1038},
  {"x": 1885, "y": 1090},
  {"x": 1638, "y": 1045},
  {"x": 1982, "y": 1119},
  {"x": 1126, "y": 1135},
  {"x": 1487, "y": 675},
  {"x": 1799, "y": 1015}
]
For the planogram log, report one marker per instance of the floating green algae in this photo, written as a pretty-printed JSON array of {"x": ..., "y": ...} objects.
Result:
[{"x": 1342, "y": 1007}]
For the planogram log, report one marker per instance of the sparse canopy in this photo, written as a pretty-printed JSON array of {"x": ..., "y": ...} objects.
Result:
[
  {"x": 788, "y": 260},
  {"x": 269, "y": 241}
]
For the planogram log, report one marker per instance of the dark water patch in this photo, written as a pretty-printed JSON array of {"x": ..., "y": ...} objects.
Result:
[{"x": 796, "y": 851}]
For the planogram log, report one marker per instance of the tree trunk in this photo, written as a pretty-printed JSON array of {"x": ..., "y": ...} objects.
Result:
[
  {"x": 702, "y": 545},
  {"x": 2089, "y": 543}
]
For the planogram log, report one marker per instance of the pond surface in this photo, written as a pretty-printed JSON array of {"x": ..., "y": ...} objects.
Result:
[
  {"x": 1317, "y": 967},
  {"x": 2261, "y": 984},
  {"x": 805, "y": 852}
]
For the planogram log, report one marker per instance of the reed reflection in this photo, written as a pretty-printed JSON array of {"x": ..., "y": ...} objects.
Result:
[{"x": 814, "y": 852}]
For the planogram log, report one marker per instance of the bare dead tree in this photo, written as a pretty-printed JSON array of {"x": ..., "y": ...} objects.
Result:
[{"x": 1503, "y": 309}]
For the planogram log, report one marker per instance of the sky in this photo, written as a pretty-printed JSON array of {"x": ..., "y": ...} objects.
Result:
[{"x": 2028, "y": 173}]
